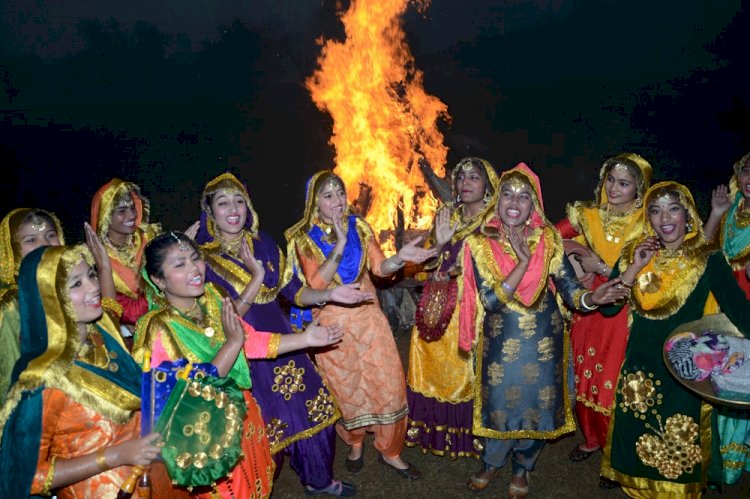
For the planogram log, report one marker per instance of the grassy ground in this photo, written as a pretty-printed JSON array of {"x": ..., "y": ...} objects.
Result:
[{"x": 554, "y": 477}]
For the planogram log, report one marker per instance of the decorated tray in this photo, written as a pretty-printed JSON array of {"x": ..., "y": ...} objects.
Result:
[{"x": 717, "y": 323}]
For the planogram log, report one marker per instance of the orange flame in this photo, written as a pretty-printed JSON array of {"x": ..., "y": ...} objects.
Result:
[{"x": 383, "y": 120}]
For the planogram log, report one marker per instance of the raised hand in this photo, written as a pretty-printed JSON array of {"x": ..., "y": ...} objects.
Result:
[
  {"x": 98, "y": 251},
  {"x": 720, "y": 201},
  {"x": 254, "y": 265},
  {"x": 645, "y": 251},
  {"x": 443, "y": 229},
  {"x": 192, "y": 231},
  {"x": 233, "y": 330},
  {"x": 339, "y": 225},
  {"x": 349, "y": 294},
  {"x": 520, "y": 246},
  {"x": 320, "y": 336},
  {"x": 411, "y": 252}
]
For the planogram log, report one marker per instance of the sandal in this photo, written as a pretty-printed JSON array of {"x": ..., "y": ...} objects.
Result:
[
  {"x": 606, "y": 483},
  {"x": 481, "y": 479},
  {"x": 577, "y": 454},
  {"x": 518, "y": 491},
  {"x": 335, "y": 488}
]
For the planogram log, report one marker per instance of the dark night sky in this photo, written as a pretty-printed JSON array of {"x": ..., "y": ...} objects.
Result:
[{"x": 170, "y": 93}]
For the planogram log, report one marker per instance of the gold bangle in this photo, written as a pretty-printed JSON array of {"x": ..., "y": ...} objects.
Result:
[
  {"x": 101, "y": 460},
  {"x": 46, "y": 488}
]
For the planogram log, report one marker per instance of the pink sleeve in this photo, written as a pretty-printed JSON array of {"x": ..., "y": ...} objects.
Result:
[
  {"x": 158, "y": 353},
  {"x": 260, "y": 345}
]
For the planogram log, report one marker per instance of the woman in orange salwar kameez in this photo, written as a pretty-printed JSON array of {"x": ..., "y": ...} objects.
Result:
[
  {"x": 71, "y": 424},
  {"x": 331, "y": 246}
]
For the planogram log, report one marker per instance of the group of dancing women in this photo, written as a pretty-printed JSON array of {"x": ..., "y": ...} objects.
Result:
[{"x": 525, "y": 330}]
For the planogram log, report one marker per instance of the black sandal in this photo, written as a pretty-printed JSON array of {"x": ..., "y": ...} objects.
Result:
[
  {"x": 577, "y": 454},
  {"x": 607, "y": 484}
]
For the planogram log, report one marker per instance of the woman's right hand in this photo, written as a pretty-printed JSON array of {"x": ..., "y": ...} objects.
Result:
[
  {"x": 135, "y": 452},
  {"x": 321, "y": 336},
  {"x": 233, "y": 330},
  {"x": 443, "y": 229},
  {"x": 645, "y": 251},
  {"x": 254, "y": 265},
  {"x": 339, "y": 227},
  {"x": 720, "y": 201},
  {"x": 520, "y": 246}
]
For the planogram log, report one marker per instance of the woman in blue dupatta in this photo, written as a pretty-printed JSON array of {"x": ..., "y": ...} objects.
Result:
[
  {"x": 71, "y": 424},
  {"x": 289, "y": 388}
]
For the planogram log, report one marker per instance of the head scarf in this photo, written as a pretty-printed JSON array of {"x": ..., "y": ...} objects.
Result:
[
  {"x": 208, "y": 231},
  {"x": 106, "y": 200},
  {"x": 491, "y": 193},
  {"x": 664, "y": 284},
  {"x": 50, "y": 346},
  {"x": 734, "y": 234},
  {"x": 310, "y": 216},
  {"x": 631, "y": 159},
  {"x": 10, "y": 251}
]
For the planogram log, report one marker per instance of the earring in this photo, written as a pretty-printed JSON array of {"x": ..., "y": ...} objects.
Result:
[
  {"x": 528, "y": 220},
  {"x": 689, "y": 227},
  {"x": 638, "y": 201},
  {"x": 458, "y": 199},
  {"x": 487, "y": 196}
]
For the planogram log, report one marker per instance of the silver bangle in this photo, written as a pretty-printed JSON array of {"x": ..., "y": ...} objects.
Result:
[
  {"x": 245, "y": 301},
  {"x": 394, "y": 267},
  {"x": 583, "y": 302},
  {"x": 320, "y": 303},
  {"x": 508, "y": 288}
]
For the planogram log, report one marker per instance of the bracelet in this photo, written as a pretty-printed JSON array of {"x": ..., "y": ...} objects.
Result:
[
  {"x": 393, "y": 267},
  {"x": 245, "y": 301},
  {"x": 335, "y": 257},
  {"x": 627, "y": 285},
  {"x": 320, "y": 303},
  {"x": 50, "y": 477},
  {"x": 101, "y": 460},
  {"x": 602, "y": 267},
  {"x": 588, "y": 308},
  {"x": 508, "y": 288}
]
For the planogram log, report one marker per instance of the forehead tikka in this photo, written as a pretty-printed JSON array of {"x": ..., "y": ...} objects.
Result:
[
  {"x": 38, "y": 223},
  {"x": 181, "y": 245}
]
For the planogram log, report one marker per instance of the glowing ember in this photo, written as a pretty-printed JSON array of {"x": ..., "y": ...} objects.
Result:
[{"x": 383, "y": 120}]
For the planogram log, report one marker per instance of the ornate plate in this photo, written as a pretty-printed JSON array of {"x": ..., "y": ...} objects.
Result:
[{"x": 718, "y": 323}]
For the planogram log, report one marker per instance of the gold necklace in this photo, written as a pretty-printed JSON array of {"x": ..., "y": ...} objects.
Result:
[
  {"x": 232, "y": 246},
  {"x": 125, "y": 253},
  {"x": 200, "y": 318},
  {"x": 614, "y": 223},
  {"x": 669, "y": 261}
]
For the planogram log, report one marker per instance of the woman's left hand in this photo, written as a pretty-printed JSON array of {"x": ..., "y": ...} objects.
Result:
[
  {"x": 98, "y": 251},
  {"x": 254, "y": 265},
  {"x": 609, "y": 292},
  {"x": 410, "y": 252},
  {"x": 233, "y": 330},
  {"x": 192, "y": 231},
  {"x": 320, "y": 336},
  {"x": 349, "y": 294}
]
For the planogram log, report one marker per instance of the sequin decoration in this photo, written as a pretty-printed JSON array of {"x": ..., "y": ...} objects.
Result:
[
  {"x": 321, "y": 408},
  {"x": 287, "y": 379},
  {"x": 672, "y": 450}
]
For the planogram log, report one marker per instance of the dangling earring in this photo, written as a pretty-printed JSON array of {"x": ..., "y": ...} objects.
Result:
[
  {"x": 487, "y": 196},
  {"x": 638, "y": 201},
  {"x": 528, "y": 220},
  {"x": 458, "y": 198},
  {"x": 689, "y": 227}
]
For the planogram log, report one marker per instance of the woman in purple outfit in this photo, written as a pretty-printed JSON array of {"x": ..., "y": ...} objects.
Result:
[{"x": 297, "y": 407}]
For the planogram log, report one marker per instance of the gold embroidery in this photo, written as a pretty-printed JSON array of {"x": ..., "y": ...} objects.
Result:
[
  {"x": 288, "y": 379},
  {"x": 591, "y": 351},
  {"x": 495, "y": 372},
  {"x": 577, "y": 379},
  {"x": 530, "y": 419},
  {"x": 587, "y": 374},
  {"x": 530, "y": 372},
  {"x": 527, "y": 324},
  {"x": 672, "y": 450},
  {"x": 579, "y": 359},
  {"x": 608, "y": 384},
  {"x": 511, "y": 347},
  {"x": 547, "y": 397},
  {"x": 545, "y": 349},
  {"x": 513, "y": 397},
  {"x": 275, "y": 431},
  {"x": 499, "y": 418},
  {"x": 599, "y": 368},
  {"x": 321, "y": 408},
  {"x": 495, "y": 323},
  {"x": 594, "y": 389},
  {"x": 638, "y": 392}
]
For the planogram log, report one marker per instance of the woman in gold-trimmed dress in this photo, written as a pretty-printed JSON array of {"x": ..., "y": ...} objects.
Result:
[
  {"x": 440, "y": 377},
  {"x": 331, "y": 246},
  {"x": 604, "y": 226},
  {"x": 659, "y": 439}
]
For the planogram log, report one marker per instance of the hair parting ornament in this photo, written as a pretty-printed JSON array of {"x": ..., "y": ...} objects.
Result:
[
  {"x": 181, "y": 245},
  {"x": 621, "y": 168},
  {"x": 37, "y": 223}
]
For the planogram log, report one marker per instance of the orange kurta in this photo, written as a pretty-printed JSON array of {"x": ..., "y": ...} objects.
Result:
[{"x": 364, "y": 370}]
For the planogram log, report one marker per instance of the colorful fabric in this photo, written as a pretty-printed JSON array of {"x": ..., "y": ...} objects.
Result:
[
  {"x": 126, "y": 261},
  {"x": 440, "y": 377},
  {"x": 59, "y": 383},
  {"x": 652, "y": 411},
  {"x": 299, "y": 410}
]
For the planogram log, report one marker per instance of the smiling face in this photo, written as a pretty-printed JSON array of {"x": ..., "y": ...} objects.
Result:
[
  {"x": 36, "y": 232},
  {"x": 743, "y": 177},
  {"x": 85, "y": 293},
  {"x": 331, "y": 200},
  {"x": 122, "y": 223},
  {"x": 471, "y": 185},
  {"x": 621, "y": 186},
  {"x": 229, "y": 212},
  {"x": 515, "y": 203},
  {"x": 668, "y": 218},
  {"x": 182, "y": 275}
]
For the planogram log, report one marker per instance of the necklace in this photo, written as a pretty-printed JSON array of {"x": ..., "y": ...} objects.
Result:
[
  {"x": 198, "y": 316},
  {"x": 669, "y": 261},
  {"x": 231, "y": 246},
  {"x": 125, "y": 252},
  {"x": 614, "y": 223}
]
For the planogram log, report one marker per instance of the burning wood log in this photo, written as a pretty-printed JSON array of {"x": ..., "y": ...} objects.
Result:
[
  {"x": 440, "y": 186},
  {"x": 362, "y": 204}
]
